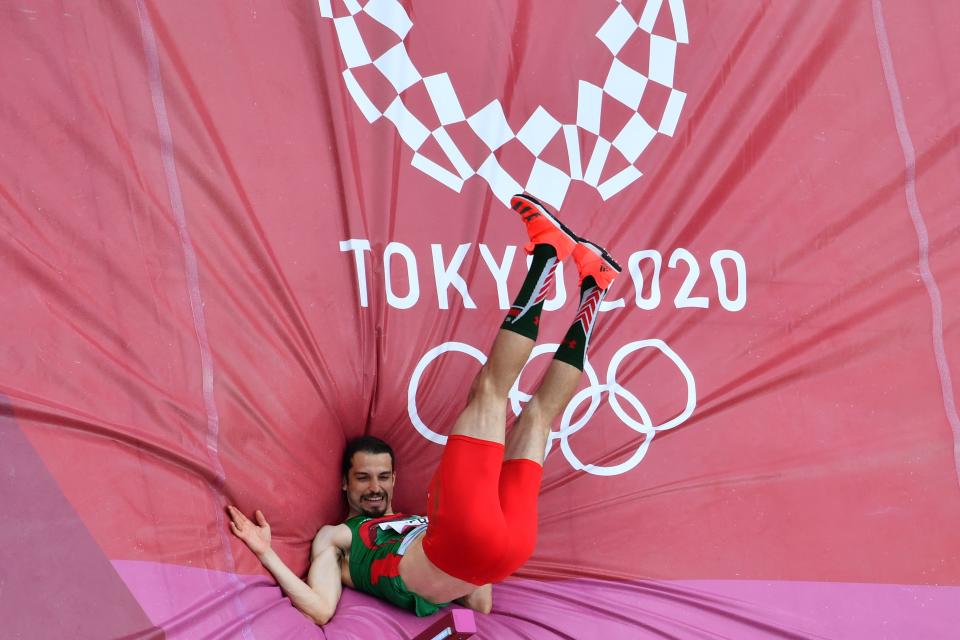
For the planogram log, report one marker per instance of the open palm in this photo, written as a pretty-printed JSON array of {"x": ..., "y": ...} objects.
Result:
[{"x": 256, "y": 536}]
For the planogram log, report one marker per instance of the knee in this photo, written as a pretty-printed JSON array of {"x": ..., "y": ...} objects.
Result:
[{"x": 517, "y": 553}]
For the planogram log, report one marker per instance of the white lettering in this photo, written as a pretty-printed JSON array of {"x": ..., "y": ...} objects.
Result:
[
  {"x": 716, "y": 263},
  {"x": 449, "y": 275},
  {"x": 610, "y": 305},
  {"x": 634, "y": 266},
  {"x": 731, "y": 283},
  {"x": 500, "y": 271},
  {"x": 358, "y": 246},
  {"x": 684, "y": 299},
  {"x": 413, "y": 294}
]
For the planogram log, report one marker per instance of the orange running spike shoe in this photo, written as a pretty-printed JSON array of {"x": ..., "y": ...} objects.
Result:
[
  {"x": 593, "y": 260},
  {"x": 543, "y": 227}
]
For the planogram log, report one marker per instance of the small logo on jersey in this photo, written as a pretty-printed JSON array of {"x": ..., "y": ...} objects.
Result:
[{"x": 402, "y": 526}]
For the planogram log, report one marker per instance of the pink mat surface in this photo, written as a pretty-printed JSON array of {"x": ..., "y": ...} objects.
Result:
[{"x": 193, "y": 603}]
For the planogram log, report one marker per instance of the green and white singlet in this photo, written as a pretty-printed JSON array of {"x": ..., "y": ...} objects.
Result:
[{"x": 375, "y": 552}]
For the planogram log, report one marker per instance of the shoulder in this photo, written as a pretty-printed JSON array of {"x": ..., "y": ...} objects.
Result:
[{"x": 333, "y": 535}]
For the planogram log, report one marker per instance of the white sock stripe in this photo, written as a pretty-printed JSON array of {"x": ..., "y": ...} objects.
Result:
[
  {"x": 589, "y": 305},
  {"x": 546, "y": 281},
  {"x": 546, "y": 289},
  {"x": 541, "y": 288},
  {"x": 587, "y": 308},
  {"x": 588, "y": 302},
  {"x": 588, "y": 329}
]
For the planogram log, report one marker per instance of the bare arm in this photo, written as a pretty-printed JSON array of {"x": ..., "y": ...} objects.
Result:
[
  {"x": 317, "y": 600},
  {"x": 480, "y": 600},
  {"x": 324, "y": 574}
]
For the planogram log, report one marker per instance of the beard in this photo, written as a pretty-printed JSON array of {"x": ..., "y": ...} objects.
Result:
[{"x": 373, "y": 511}]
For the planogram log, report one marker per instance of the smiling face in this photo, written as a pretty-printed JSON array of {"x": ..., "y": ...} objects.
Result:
[{"x": 369, "y": 484}]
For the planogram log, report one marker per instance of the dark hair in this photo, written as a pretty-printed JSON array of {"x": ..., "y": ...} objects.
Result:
[{"x": 366, "y": 444}]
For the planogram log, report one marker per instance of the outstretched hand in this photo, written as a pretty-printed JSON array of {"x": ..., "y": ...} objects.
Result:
[{"x": 257, "y": 538}]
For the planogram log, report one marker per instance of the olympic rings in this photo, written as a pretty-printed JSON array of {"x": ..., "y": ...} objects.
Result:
[{"x": 614, "y": 390}]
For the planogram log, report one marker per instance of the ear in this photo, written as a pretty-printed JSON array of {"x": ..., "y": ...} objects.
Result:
[{"x": 343, "y": 484}]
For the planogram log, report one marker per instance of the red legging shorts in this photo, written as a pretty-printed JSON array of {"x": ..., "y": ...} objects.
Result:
[{"x": 482, "y": 510}]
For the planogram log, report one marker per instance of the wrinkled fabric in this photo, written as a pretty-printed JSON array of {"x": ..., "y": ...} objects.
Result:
[{"x": 235, "y": 235}]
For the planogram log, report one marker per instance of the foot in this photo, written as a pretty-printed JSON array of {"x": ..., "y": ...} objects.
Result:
[
  {"x": 543, "y": 227},
  {"x": 593, "y": 260}
]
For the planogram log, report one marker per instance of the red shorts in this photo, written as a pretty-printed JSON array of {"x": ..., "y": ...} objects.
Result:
[{"x": 482, "y": 510}]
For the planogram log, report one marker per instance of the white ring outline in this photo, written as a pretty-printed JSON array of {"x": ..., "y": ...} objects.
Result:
[
  {"x": 594, "y": 392},
  {"x": 427, "y": 358},
  {"x": 614, "y": 390}
]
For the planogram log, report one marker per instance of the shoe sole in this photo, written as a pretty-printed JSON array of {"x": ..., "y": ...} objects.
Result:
[
  {"x": 600, "y": 251},
  {"x": 542, "y": 209}
]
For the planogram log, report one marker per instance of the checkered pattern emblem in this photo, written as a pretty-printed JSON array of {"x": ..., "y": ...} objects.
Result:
[{"x": 436, "y": 148}]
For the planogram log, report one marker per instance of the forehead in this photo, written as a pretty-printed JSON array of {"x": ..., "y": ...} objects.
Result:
[{"x": 372, "y": 463}]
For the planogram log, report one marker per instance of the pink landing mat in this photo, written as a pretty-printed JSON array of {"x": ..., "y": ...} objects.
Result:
[{"x": 191, "y": 603}]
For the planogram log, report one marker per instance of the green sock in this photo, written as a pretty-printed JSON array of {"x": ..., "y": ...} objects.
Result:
[
  {"x": 573, "y": 348},
  {"x": 524, "y": 315}
]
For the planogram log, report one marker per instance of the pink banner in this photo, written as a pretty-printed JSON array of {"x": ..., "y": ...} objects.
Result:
[{"x": 237, "y": 234}]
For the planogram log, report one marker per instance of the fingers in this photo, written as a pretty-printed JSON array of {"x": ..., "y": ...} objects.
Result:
[
  {"x": 239, "y": 523},
  {"x": 235, "y": 515}
]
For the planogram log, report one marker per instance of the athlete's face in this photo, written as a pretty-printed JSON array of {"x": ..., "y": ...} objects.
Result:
[{"x": 369, "y": 484}]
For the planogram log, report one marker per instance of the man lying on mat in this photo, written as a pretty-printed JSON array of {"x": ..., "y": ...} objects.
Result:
[{"x": 481, "y": 523}]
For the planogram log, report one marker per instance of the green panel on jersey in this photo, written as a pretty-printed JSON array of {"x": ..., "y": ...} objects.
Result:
[{"x": 375, "y": 561}]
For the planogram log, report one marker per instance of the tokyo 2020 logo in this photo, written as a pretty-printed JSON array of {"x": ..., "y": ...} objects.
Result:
[
  {"x": 595, "y": 133},
  {"x": 593, "y": 151}
]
